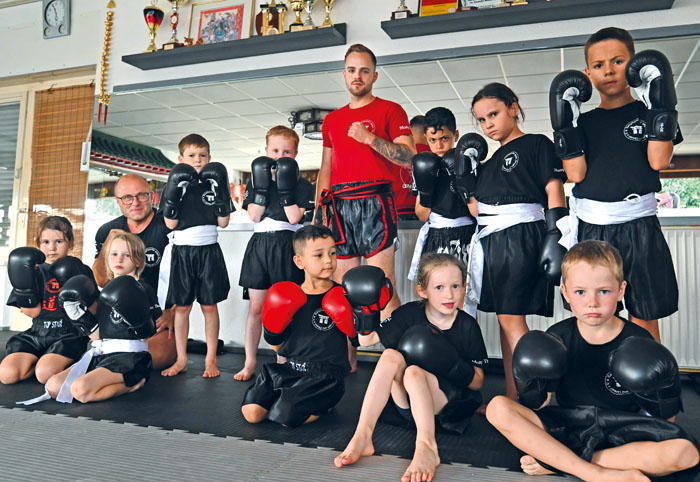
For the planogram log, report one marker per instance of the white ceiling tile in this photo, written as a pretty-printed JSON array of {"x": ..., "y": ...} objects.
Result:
[
  {"x": 184, "y": 127},
  {"x": 171, "y": 97},
  {"x": 230, "y": 122},
  {"x": 143, "y": 116},
  {"x": 390, "y": 93},
  {"x": 532, "y": 63},
  {"x": 244, "y": 107},
  {"x": 676, "y": 50},
  {"x": 331, "y": 100},
  {"x": 415, "y": 74},
  {"x": 574, "y": 59},
  {"x": 467, "y": 89},
  {"x": 687, "y": 90},
  {"x": 217, "y": 93},
  {"x": 430, "y": 92},
  {"x": 203, "y": 111},
  {"x": 530, "y": 84},
  {"x": 268, "y": 120},
  {"x": 289, "y": 104},
  {"x": 121, "y": 103},
  {"x": 252, "y": 133},
  {"x": 263, "y": 88},
  {"x": 314, "y": 83},
  {"x": 531, "y": 101},
  {"x": 119, "y": 131},
  {"x": 454, "y": 105},
  {"x": 474, "y": 68}
]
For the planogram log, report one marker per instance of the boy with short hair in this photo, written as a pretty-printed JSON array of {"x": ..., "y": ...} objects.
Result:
[
  {"x": 196, "y": 200},
  {"x": 276, "y": 199},
  {"x": 417, "y": 124},
  {"x": 309, "y": 325},
  {"x": 449, "y": 226},
  {"x": 614, "y": 154},
  {"x": 615, "y": 386}
]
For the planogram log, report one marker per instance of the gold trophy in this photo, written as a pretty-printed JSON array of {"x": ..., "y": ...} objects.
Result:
[
  {"x": 510, "y": 3},
  {"x": 328, "y": 6},
  {"x": 281, "y": 11},
  {"x": 297, "y": 7},
  {"x": 401, "y": 11},
  {"x": 174, "y": 20},
  {"x": 154, "y": 17}
]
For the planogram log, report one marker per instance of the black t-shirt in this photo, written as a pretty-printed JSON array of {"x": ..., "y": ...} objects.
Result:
[
  {"x": 616, "y": 154},
  {"x": 154, "y": 237},
  {"x": 519, "y": 171},
  {"x": 304, "y": 196},
  {"x": 313, "y": 337},
  {"x": 588, "y": 380},
  {"x": 446, "y": 202},
  {"x": 197, "y": 207},
  {"x": 465, "y": 334}
]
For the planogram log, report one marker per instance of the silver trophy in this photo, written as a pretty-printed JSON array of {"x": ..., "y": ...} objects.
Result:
[{"x": 308, "y": 21}]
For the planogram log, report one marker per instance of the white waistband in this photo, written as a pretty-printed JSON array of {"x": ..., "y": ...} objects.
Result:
[
  {"x": 492, "y": 219},
  {"x": 632, "y": 207},
  {"x": 269, "y": 225},
  {"x": 435, "y": 221},
  {"x": 195, "y": 236}
]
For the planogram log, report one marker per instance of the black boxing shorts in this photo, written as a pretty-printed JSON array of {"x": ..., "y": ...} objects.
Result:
[
  {"x": 454, "y": 241},
  {"x": 55, "y": 336},
  {"x": 294, "y": 391},
  {"x": 134, "y": 366},
  {"x": 361, "y": 216},
  {"x": 269, "y": 259}
]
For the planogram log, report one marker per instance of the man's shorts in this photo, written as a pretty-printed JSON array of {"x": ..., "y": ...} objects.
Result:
[
  {"x": 268, "y": 259},
  {"x": 513, "y": 282},
  {"x": 652, "y": 289},
  {"x": 291, "y": 396},
  {"x": 454, "y": 241},
  {"x": 362, "y": 217},
  {"x": 197, "y": 272},
  {"x": 587, "y": 429},
  {"x": 40, "y": 341}
]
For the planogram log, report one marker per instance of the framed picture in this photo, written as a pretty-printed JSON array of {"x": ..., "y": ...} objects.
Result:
[
  {"x": 217, "y": 21},
  {"x": 436, "y": 7}
]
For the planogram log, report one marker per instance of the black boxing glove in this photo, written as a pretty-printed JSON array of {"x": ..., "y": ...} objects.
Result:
[
  {"x": 25, "y": 277},
  {"x": 649, "y": 74},
  {"x": 539, "y": 362},
  {"x": 287, "y": 178},
  {"x": 648, "y": 369},
  {"x": 65, "y": 268},
  {"x": 471, "y": 151},
  {"x": 427, "y": 347},
  {"x": 425, "y": 167},
  {"x": 568, "y": 91},
  {"x": 551, "y": 252},
  {"x": 261, "y": 179},
  {"x": 216, "y": 175},
  {"x": 76, "y": 296},
  {"x": 124, "y": 310},
  {"x": 369, "y": 291},
  {"x": 181, "y": 176}
]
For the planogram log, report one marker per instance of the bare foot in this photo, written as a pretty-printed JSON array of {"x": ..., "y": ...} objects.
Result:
[
  {"x": 180, "y": 366},
  {"x": 425, "y": 461},
  {"x": 532, "y": 467},
  {"x": 245, "y": 373},
  {"x": 210, "y": 369},
  {"x": 359, "y": 446}
]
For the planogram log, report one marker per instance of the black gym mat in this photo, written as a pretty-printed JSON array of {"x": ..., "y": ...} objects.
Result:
[{"x": 191, "y": 403}]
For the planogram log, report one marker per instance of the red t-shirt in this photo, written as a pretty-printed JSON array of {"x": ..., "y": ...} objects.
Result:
[
  {"x": 422, "y": 147},
  {"x": 355, "y": 162}
]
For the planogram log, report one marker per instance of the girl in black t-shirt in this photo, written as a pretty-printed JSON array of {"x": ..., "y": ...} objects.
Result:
[
  {"x": 431, "y": 366},
  {"x": 520, "y": 180}
]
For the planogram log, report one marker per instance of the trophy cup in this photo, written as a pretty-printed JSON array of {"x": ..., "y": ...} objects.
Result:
[
  {"x": 281, "y": 12},
  {"x": 154, "y": 17},
  {"x": 267, "y": 21},
  {"x": 401, "y": 11},
  {"x": 308, "y": 22},
  {"x": 174, "y": 20},
  {"x": 328, "y": 6},
  {"x": 297, "y": 7}
]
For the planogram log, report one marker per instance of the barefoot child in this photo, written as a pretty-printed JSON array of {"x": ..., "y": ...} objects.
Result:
[
  {"x": 615, "y": 386},
  {"x": 196, "y": 200},
  {"x": 276, "y": 202},
  {"x": 431, "y": 366},
  {"x": 309, "y": 325},
  {"x": 119, "y": 361},
  {"x": 52, "y": 343}
]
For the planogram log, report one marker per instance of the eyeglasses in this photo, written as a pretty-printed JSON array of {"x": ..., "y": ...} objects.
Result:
[{"x": 129, "y": 199}]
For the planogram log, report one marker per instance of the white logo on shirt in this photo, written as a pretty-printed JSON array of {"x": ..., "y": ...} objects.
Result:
[
  {"x": 636, "y": 130},
  {"x": 321, "y": 321},
  {"x": 369, "y": 124},
  {"x": 510, "y": 160},
  {"x": 208, "y": 198},
  {"x": 152, "y": 257},
  {"x": 614, "y": 386}
]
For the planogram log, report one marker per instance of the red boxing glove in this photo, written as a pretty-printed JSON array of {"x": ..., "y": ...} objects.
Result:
[
  {"x": 283, "y": 299},
  {"x": 336, "y": 305}
]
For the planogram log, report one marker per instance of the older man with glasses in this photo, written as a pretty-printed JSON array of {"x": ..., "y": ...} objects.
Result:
[{"x": 133, "y": 195}]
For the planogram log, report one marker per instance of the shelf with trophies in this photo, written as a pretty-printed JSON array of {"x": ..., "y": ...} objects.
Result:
[
  {"x": 221, "y": 39},
  {"x": 471, "y": 14}
]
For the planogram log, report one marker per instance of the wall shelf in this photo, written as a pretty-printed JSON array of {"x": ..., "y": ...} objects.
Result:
[
  {"x": 538, "y": 12},
  {"x": 235, "y": 49}
]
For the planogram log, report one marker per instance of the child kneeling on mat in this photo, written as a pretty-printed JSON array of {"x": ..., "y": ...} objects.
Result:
[
  {"x": 431, "y": 366},
  {"x": 124, "y": 316},
  {"x": 617, "y": 389},
  {"x": 309, "y": 324}
]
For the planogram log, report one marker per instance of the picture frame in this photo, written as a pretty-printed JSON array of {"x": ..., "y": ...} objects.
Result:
[
  {"x": 428, "y": 8},
  {"x": 216, "y": 21}
]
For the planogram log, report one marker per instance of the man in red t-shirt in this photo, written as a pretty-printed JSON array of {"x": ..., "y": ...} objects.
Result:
[{"x": 365, "y": 146}]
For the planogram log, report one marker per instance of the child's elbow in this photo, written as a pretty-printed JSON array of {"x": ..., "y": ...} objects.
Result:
[{"x": 223, "y": 221}]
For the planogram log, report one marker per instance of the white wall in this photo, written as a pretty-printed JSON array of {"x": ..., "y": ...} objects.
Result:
[{"x": 20, "y": 35}]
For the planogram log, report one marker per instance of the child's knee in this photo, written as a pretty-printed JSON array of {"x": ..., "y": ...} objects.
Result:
[
  {"x": 498, "y": 410},
  {"x": 43, "y": 373},
  {"x": 53, "y": 386},
  {"x": 80, "y": 391},
  {"x": 209, "y": 309},
  {"x": 682, "y": 454},
  {"x": 393, "y": 357},
  {"x": 253, "y": 413},
  {"x": 8, "y": 374},
  {"x": 413, "y": 375}
]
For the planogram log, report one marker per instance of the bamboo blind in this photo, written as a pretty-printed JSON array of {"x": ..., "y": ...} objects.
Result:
[{"x": 62, "y": 119}]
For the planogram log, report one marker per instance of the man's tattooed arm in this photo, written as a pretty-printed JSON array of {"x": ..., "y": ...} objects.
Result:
[{"x": 399, "y": 154}]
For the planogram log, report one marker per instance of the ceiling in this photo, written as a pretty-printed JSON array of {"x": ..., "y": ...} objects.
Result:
[{"x": 235, "y": 116}]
